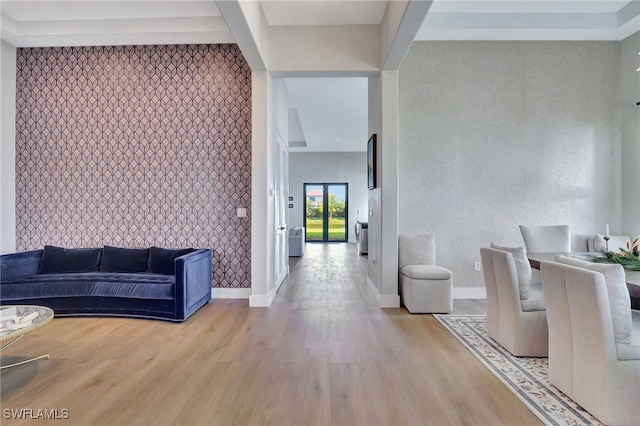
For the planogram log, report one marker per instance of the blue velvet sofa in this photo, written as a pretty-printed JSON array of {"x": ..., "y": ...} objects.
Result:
[{"x": 154, "y": 283}]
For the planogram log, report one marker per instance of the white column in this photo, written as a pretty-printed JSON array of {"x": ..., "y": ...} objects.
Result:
[
  {"x": 383, "y": 201},
  {"x": 262, "y": 219},
  {"x": 389, "y": 297}
]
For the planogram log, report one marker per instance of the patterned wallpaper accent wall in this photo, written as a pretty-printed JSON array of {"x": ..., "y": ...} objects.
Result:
[{"x": 136, "y": 146}]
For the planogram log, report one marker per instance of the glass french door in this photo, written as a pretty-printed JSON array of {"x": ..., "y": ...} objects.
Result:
[{"x": 326, "y": 212}]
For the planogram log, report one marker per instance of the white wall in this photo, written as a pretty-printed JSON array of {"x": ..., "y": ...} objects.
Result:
[
  {"x": 374, "y": 271},
  {"x": 497, "y": 134},
  {"x": 629, "y": 95},
  {"x": 262, "y": 216},
  {"x": 383, "y": 200},
  {"x": 280, "y": 181},
  {"x": 7, "y": 148},
  {"x": 318, "y": 48},
  {"x": 329, "y": 167},
  {"x": 388, "y": 150}
]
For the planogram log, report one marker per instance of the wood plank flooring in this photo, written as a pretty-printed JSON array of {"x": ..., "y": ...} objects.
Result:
[{"x": 322, "y": 354}]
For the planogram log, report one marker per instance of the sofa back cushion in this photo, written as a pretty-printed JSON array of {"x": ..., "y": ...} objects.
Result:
[
  {"x": 20, "y": 264},
  {"x": 119, "y": 259},
  {"x": 161, "y": 260},
  {"x": 59, "y": 260}
]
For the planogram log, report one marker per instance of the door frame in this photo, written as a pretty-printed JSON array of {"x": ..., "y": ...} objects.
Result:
[{"x": 325, "y": 214}]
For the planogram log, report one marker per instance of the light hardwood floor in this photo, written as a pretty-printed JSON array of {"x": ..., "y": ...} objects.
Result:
[{"x": 322, "y": 354}]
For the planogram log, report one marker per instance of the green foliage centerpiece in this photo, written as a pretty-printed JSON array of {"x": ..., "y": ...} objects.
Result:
[{"x": 628, "y": 257}]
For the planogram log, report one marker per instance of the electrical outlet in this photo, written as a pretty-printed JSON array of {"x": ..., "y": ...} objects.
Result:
[{"x": 476, "y": 266}]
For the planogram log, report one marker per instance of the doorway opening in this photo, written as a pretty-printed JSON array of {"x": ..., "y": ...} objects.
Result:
[{"x": 326, "y": 208}]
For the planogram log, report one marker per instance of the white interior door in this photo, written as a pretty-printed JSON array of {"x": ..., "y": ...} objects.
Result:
[{"x": 281, "y": 177}]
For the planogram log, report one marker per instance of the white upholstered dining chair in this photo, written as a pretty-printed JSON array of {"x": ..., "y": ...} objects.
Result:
[
  {"x": 594, "y": 338},
  {"x": 615, "y": 243},
  {"x": 516, "y": 316},
  {"x": 546, "y": 239}
]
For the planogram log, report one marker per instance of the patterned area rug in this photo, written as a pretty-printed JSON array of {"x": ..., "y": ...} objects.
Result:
[{"x": 526, "y": 377}]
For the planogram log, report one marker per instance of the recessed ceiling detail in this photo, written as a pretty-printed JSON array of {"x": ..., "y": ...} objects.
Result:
[
  {"x": 82, "y": 22},
  {"x": 94, "y": 23},
  {"x": 296, "y": 134},
  {"x": 530, "y": 20},
  {"x": 332, "y": 113},
  {"x": 297, "y": 144}
]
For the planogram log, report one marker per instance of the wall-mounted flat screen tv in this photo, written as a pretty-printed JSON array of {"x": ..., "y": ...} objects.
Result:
[{"x": 371, "y": 161}]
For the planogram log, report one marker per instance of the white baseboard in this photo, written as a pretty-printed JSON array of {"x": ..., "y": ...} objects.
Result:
[
  {"x": 262, "y": 300},
  {"x": 230, "y": 293},
  {"x": 389, "y": 301},
  {"x": 469, "y": 293},
  {"x": 259, "y": 301},
  {"x": 384, "y": 300}
]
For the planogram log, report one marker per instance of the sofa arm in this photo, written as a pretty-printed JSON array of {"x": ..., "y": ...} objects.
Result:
[
  {"x": 19, "y": 264},
  {"x": 193, "y": 281}
]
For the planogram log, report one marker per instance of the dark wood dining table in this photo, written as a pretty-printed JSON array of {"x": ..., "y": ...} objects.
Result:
[{"x": 631, "y": 277}]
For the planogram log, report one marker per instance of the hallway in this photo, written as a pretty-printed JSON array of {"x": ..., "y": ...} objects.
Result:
[{"x": 329, "y": 275}]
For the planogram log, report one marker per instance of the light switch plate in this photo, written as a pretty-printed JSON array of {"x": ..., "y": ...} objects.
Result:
[{"x": 242, "y": 212}]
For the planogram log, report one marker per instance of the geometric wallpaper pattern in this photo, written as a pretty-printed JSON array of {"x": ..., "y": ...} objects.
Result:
[{"x": 136, "y": 146}]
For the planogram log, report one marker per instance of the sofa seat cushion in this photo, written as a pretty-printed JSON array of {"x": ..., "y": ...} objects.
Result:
[
  {"x": 107, "y": 284},
  {"x": 426, "y": 272}
]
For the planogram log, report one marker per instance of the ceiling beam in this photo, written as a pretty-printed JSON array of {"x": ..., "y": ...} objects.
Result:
[
  {"x": 400, "y": 25},
  {"x": 246, "y": 22}
]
